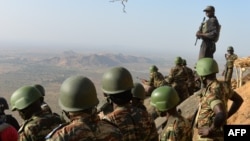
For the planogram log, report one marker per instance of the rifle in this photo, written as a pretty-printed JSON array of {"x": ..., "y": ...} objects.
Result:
[{"x": 200, "y": 29}]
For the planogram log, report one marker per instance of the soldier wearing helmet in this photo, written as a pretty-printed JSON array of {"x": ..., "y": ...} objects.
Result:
[
  {"x": 165, "y": 99},
  {"x": 37, "y": 124},
  {"x": 138, "y": 92},
  {"x": 134, "y": 123},
  {"x": 177, "y": 79},
  {"x": 45, "y": 107},
  {"x": 78, "y": 100},
  {"x": 212, "y": 113},
  {"x": 7, "y": 118},
  {"x": 209, "y": 33},
  {"x": 156, "y": 79},
  {"x": 230, "y": 58}
]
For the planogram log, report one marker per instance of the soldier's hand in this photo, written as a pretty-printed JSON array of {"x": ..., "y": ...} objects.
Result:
[
  {"x": 204, "y": 131},
  {"x": 199, "y": 34},
  {"x": 101, "y": 115}
]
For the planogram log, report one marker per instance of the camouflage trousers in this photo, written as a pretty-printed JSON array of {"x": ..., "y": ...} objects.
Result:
[
  {"x": 197, "y": 137},
  {"x": 228, "y": 75}
]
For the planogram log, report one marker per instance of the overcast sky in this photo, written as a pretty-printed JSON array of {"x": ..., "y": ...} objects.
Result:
[{"x": 153, "y": 27}]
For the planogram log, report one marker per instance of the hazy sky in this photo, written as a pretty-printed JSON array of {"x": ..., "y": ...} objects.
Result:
[{"x": 153, "y": 27}]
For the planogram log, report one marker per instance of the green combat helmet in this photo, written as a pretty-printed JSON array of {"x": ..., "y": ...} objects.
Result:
[
  {"x": 230, "y": 48},
  {"x": 178, "y": 60},
  {"x": 206, "y": 66},
  {"x": 117, "y": 80},
  {"x": 153, "y": 68},
  {"x": 40, "y": 88},
  {"x": 24, "y": 97},
  {"x": 164, "y": 98},
  {"x": 138, "y": 91},
  {"x": 3, "y": 104},
  {"x": 77, "y": 93}
]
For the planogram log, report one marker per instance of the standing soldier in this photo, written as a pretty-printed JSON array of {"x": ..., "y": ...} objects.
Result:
[
  {"x": 37, "y": 124},
  {"x": 135, "y": 124},
  {"x": 7, "y": 118},
  {"x": 78, "y": 100},
  {"x": 209, "y": 33},
  {"x": 176, "y": 128},
  {"x": 191, "y": 78},
  {"x": 156, "y": 79},
  {"x": 177, "y": 78},
  {"x": 230, "y": 58},
  {"x": 212, "y": 113},
  {"x": 45, "y": 107},
  {"x": 138, "y": 92}
]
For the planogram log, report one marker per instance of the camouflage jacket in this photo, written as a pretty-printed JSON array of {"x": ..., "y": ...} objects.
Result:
[
  {"x": 190, "y": 72},
  {"x": 176, "y": 129},
  {"x": 156, "y": 80},
  {"x": 211, "y": 28},
  {"x": 38, "y": 126},
  {"x": 177, "y": 74},
  {"x": 135, "y": 124},
  {"x": 85, "y": 127},
  {"x": 230, "y": 60},
  {"x": 211, "y": 96}
]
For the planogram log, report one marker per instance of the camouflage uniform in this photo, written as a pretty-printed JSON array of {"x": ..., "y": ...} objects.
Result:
[
  {"x": 84, "y": 128},
  {"x": 211, "y": 29},
  {"x": 176, "y": 129},
  {"x": 191, "y": 80},
  {"x": 177, "y": 78},
  {"x": 229, "y": 67},
  {"x": 38, "y": 126},
  {"x": 212, "y": 95},
  {"x": 134, "y": 123},
  {"x": 156, "y": 79}
]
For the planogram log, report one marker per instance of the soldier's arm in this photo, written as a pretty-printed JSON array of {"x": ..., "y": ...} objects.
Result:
[
  {"x": 219, "y": 120},
  {"x": 237, "y": 102}
]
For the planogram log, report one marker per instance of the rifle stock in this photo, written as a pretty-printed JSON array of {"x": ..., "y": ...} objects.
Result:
[{"x": 200, "y": 29}]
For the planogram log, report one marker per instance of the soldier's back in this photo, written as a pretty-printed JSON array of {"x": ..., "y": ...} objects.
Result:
[
  {"x": 134, "y": 123},
  {"x": 85, "y": 129},
  {"x": 38, "y": 126}
]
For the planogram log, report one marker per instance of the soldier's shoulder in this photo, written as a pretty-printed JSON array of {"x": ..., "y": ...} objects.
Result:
[{"x": 25, "y": 124}]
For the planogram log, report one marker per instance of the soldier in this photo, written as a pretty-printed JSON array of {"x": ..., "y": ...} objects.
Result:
[
  {"x": 176, "y": 127},
  {"x": 191, "y": 77},
  {"x": 230, "y": 58},
  {"x": 37, "y": 124},
  {"x": 135, "y": 124},
  {"x": 209, "y": 33},
  {"x": 212, "y": 113},
  {"x": 78, "y": 100},
  {"x": 156, "y": 79},
  {"x": 7, "y": 118},
  {"x": 177, "y": 78},
  {"x": 45, "y": 107},
  {"x": 138, "y": 92}
]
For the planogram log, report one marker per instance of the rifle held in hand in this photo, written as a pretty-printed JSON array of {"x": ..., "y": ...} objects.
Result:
[{"x": 200, "y": 29}]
